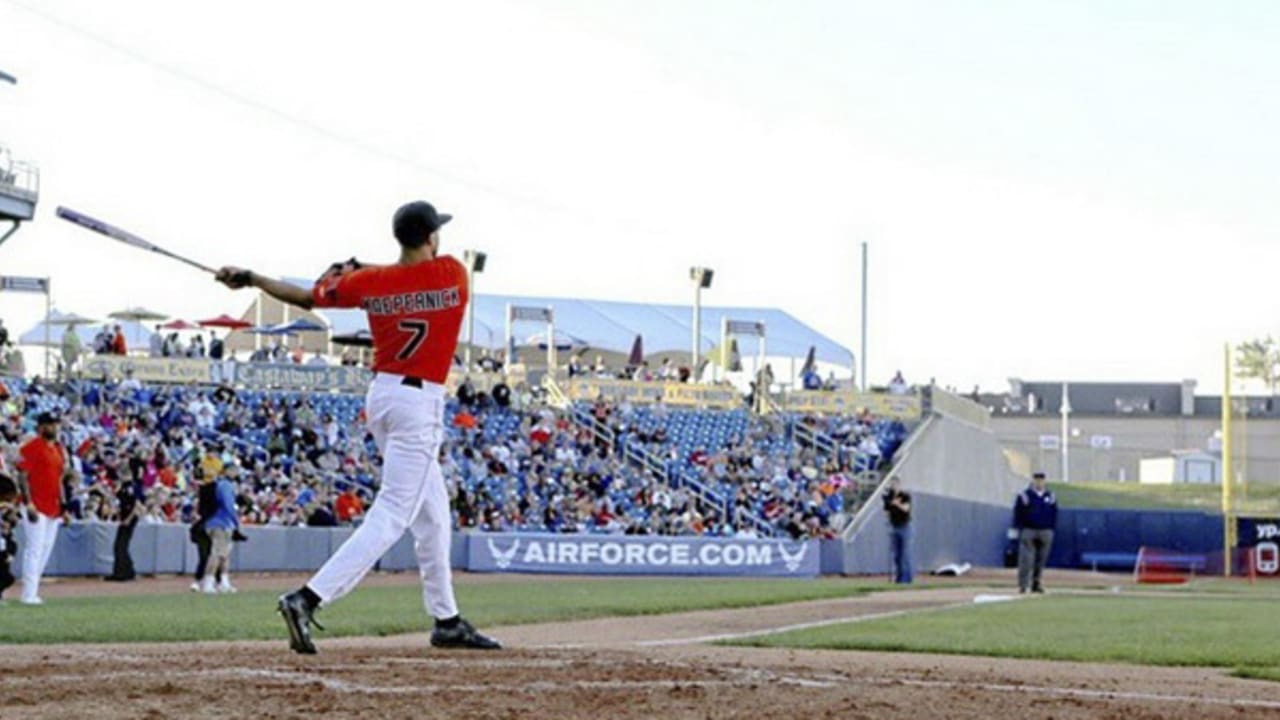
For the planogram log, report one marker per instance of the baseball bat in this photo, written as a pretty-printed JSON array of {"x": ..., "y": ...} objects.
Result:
[{"x": 124, "y": 236}]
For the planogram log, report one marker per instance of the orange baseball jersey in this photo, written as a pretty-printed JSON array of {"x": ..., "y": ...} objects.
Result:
[
  {"x": 43, "y": 462},
  {"x": 415, "y": 312}
]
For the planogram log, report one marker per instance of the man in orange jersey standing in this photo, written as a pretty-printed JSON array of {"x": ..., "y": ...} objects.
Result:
[
  {"x": 415, "y": 309},
  {"x": 41, "y": 464}
]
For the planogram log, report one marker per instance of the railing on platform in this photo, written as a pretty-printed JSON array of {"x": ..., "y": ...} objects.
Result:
[{"x": 18, "y": 179}]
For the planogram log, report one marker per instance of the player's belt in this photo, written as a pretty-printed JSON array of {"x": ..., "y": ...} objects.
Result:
[{"x": 412, "y": 382}]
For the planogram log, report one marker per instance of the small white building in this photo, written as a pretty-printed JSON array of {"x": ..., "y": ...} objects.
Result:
[{"x": 1184, "y": 466}]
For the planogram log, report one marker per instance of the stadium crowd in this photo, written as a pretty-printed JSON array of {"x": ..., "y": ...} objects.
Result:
[{"x": 513, "y": 463}]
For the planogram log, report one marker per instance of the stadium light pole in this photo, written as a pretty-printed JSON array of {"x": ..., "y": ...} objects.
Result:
[
  {"x": 1066, "y": 437},
  {"x": 474, "y": 260},
  {"x": 865, "y": 385},
  {"x": 701, "y": 278}
]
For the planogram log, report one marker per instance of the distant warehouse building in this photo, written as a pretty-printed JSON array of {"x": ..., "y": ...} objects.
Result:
[
  {"x": 1182, "y": 467},
  {"x": 1115, "y": 428}
]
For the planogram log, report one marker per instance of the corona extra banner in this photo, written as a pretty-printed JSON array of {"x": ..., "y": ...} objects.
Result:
[
  {"x": 642, "y": 393},
  {"x": 164, "y": 370}
]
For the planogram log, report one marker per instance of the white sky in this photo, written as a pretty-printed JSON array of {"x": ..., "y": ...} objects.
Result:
[{"x": 1077, "y": 190}]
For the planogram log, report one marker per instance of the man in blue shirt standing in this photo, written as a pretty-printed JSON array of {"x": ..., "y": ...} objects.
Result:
[
  {"x": 224, "y": 521},
  {"x": 1035, "y": 515}
]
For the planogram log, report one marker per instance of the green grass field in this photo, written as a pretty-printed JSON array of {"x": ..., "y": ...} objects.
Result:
[
  {"x": 393, "y": 610},
  {"x": 1255, "y": 499},
  {"x": 1229, "y": 630}
]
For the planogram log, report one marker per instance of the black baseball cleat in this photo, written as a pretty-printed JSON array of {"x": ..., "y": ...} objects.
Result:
[
  {"x": 298, "y": 617},
  {"x": 462, "y": 635}
]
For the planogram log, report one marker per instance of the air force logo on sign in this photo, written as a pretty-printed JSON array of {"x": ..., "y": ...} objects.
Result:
[
  {"x": 503, "y": 558},
  {"x": 792, "y": 560}
]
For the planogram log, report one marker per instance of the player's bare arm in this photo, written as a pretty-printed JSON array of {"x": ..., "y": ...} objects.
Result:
[
  {"x": 24, "y": 489},
  {"x": 237, "y": 278}
]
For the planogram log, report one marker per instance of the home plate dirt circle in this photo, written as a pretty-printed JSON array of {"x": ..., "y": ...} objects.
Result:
[{"x": 647, "y": 667}]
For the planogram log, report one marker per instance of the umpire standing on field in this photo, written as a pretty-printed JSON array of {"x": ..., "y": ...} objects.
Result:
[{"x": 1035, "y": 515}]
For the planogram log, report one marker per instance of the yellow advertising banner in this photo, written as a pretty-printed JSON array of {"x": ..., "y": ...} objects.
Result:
[
  {"x": 643, "y": 393},
  {"x": 165, "y": 370},
  {"x": 902, "y": 407}
]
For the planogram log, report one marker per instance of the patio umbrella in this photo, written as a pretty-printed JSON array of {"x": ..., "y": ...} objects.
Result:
[
  {"x": 57, "y": 318},
  {"x": 138, "y": 313},
  {"x": 179, "y": 325},
  {"x": 225, "y": 321},
  {"x": 301, "y": 325}
]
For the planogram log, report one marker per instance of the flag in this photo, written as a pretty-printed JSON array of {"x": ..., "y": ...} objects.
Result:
[
  {"x": 636, "y": 359},
  {"x": 726, "y": 356},
  {"x": 810, "y": 362}
]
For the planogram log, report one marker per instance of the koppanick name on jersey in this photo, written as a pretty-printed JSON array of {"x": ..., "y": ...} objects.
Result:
[{"x": 405, "y": 303}]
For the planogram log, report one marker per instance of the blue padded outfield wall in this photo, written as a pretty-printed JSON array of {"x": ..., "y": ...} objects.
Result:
[
  {"x": 945, "y": 530},
  {"x": 1125, "y": 531},
  {"x": 85, "y": 549}
]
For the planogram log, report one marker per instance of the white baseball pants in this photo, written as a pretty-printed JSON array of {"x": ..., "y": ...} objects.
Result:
[
  {"x": 408, "y": 425},
  {"x": 37, "y": 545}
]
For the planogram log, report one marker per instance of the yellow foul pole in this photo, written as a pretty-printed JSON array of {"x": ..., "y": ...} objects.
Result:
[{"x": 1228, "y": 517}]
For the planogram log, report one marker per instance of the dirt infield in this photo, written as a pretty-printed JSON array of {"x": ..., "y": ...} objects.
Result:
[{"x": 643, "y": 667}]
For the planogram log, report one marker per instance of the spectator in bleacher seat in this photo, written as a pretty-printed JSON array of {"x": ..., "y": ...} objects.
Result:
[
  {"x": 599, "y": 369},
  {"x": 575, "y": 365},
  {"x": 810, "y": 380},
  {"x": 196, "y": 349},
  {"x": 155, "y": 345},
  {"x": 279, "y": 353},
  {"x": 4, "y": 334},
  {"x": 348, "y": 508},
  {"x": 101, "y": 341},
  {"x": 898, "y": 385},
  {"x": 466, "y": 393},
  {"x": 216, "y": 347},
  {"x": 118, "y": 344},
  {"x": 8, "y": 546},
  {"x": 173, "y": 346},
  {"x": 318, "y": 360},
  {"x": 71, "y": 349}
]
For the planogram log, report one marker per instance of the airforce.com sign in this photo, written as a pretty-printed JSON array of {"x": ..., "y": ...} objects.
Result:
[{"x": 639, "y": 555}]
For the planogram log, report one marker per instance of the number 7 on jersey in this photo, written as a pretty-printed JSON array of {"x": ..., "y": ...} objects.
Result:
[{"x": 418, "y": 334}]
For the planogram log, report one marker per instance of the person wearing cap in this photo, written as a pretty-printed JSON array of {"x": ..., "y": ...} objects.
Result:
[
  {"x": 1035, "y": 515},
  {"x": 897, "y": 508},
  {"x": 415, "y": 308},
  {"x": 41, "y": 466}
]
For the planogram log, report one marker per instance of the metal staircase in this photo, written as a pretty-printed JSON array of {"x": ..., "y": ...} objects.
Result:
[{"x": 653, "y": 464}]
